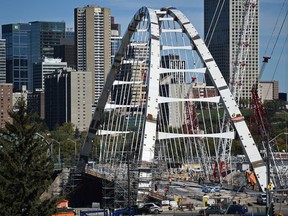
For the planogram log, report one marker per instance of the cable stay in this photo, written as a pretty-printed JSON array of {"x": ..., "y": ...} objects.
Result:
[{"x": 266, "y": 56}]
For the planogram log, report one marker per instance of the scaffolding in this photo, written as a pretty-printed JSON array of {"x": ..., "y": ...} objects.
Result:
[
  {"x": 131, "y": 185},
  {"x": 70, "y": 181},
  {"x": 121, "y": 190}
]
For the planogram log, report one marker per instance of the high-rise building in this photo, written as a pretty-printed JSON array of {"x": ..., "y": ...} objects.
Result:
[
  {"x": 46, "y": 66},
  {"x": 93, "y": 44},
  {"x": 27, "y": 43},
  {"x": 174, "y": 62},
  {"x": 66, "y": 51},
  {"x": 2, "y": 61},
  {"x": 6, "y": 103},
  {"x": 36, "y": 102},
  {"x": 137, "y": 70},
  {"x": 223, "y": 39},
  {"x": 170, "y": 88},
  {"x": 268, "y": 90},
  {"x": 116, "y": 38},
  {"x": 68, "y": 98},
  {"x": 18, "y": 64},
  {"x": 44, "y": 36},
  {"x": 69, "y": 34}
]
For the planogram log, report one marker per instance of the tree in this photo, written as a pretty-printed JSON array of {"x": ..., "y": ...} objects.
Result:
[
  {"x": 25, "y": 166},
  {"x": 63, "y": 135},
  {"x": 77, "y": 133}
]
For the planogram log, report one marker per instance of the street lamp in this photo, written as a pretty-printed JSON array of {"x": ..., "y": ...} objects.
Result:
[
  {"x": 59, "y": 150},
  {"x": 43, "y": 139},
  {"x": 283, "y": 133}
]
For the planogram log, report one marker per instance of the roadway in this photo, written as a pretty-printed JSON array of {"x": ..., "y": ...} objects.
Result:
[{"x": 191, "y": 192}]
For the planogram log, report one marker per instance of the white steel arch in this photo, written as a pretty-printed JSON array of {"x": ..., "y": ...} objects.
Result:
[
  {"x": 96, "y": 120},
  {"x": 229, "y": 102},
  {"x": 140, "y": 65}
]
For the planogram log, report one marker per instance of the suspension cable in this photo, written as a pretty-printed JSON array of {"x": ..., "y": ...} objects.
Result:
[
  {"x": 274, "y": 27},
  {"x": 265, "y": 57},
  {"x": 276, "y": 66}
]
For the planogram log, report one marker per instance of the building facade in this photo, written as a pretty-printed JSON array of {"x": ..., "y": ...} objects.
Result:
[
  {"x": 6, "y": 103},
  {"x": 69, "y": 34},
  {"x": 116, "y": 38},
  {"x": 81, "y": 99},
  {"x": 66, "y": 51},
  {"x": 28, "y": 43},
  {"x": 44, "y": 36},
  {"x": 18, "y": 64},
  {"x": 135, "y": 67},
  {"x": 2, "y": 61},
  {"x": 268, "y": 90},
  {"x": 23, "y": 94},
  {"x": 223, "y": 40},
  {"x": 46, "y": 66},
  {"x": 68, "y": 98},
  {"x": 92, "y": 37},
  {"x": 36, "y": 103},
  {"x": 178, "y": 111}
]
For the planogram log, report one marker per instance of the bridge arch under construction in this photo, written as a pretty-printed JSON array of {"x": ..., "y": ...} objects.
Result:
[{"x": 156, "y": 111}]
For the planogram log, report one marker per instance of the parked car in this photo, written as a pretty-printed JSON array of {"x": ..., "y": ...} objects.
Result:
[
  {"x": 215, "y": 190},
  {"x": 261, "y": 199},
  {"x": 210, "y": 190},
  {"x": 213, "y": 210},
  {"x": 206, "y": 189},
  {"x": 152, "y": 208},
  {"x": 237, "y": 209},
  {"x": 140, "y": 210}
]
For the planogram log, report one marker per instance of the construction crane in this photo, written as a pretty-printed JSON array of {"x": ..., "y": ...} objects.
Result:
[
  {"x": 223, "y": 162},
  {"x": 260, "y": 120},
  {"x": 260, "y": 117}
]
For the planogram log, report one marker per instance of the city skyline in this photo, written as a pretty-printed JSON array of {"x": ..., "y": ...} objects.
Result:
[{"x": 124, "y": 10}]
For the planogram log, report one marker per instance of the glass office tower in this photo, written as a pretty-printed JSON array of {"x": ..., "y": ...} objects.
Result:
[
  {"x": 44, "y": 36},
  {"x": 28, "y": 43},
  {"x": 17, "y": 38}
]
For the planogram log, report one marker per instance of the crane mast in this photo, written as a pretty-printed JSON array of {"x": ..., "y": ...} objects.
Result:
[
  {"x": 236, "y": 84},
  {"x": 264, "y": 130}
]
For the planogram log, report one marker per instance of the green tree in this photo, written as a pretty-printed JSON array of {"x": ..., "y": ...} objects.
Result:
[
  {"x": 25, "y": 166},
  {"x": 63, "y": 135}
]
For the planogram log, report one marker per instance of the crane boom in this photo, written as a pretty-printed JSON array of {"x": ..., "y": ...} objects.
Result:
[{"x": 236, "y": 82}]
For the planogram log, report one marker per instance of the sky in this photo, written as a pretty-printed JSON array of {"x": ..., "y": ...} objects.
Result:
[{"x": 272, "y": 13}]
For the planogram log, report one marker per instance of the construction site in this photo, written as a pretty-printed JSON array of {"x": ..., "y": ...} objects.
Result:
[{"x": 159, "y": 126}]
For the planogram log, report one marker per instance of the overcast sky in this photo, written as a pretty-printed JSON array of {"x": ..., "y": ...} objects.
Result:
[{"x": 13, "y": 11}]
